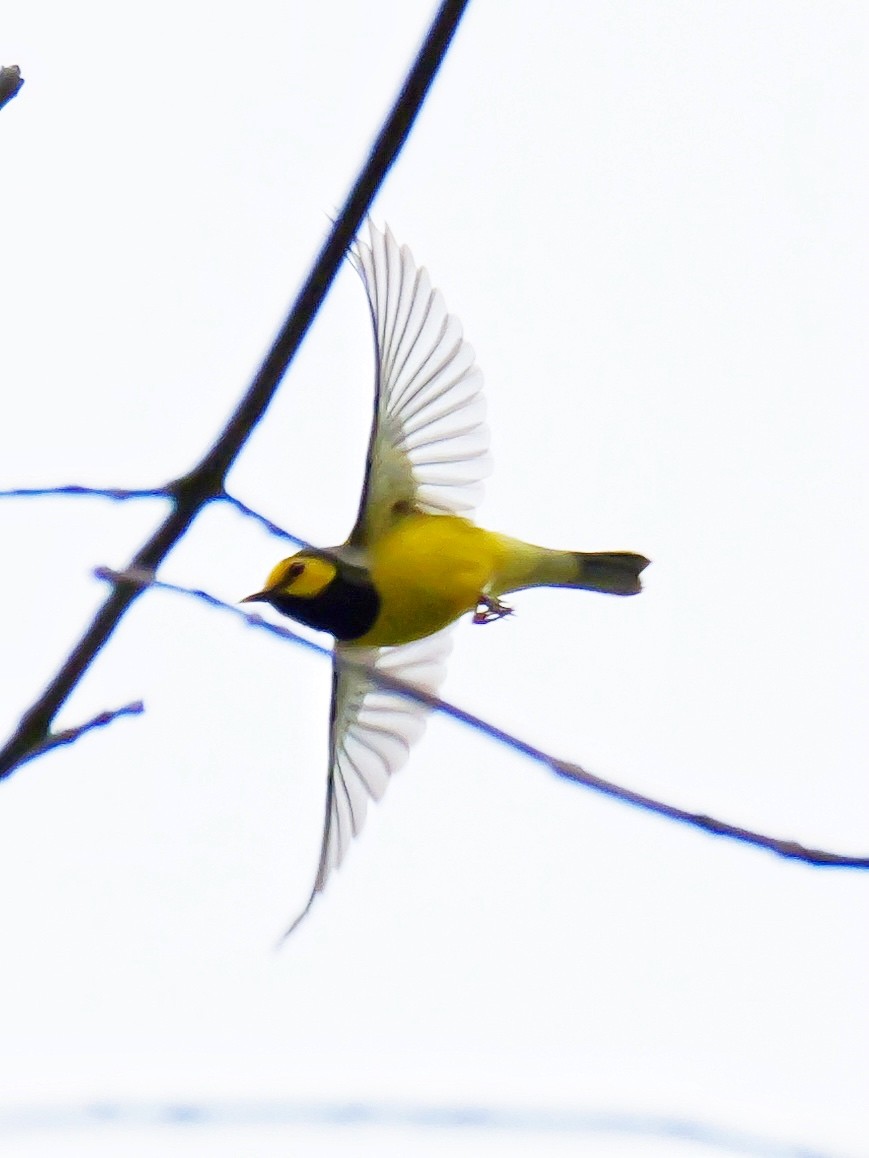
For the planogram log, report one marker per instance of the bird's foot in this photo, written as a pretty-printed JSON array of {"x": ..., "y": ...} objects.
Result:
[{"x": 489, "y": 609}]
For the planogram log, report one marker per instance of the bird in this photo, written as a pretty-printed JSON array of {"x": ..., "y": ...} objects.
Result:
[{"x": 414, "y": 562}]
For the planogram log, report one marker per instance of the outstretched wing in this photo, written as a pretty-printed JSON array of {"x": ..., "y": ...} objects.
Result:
[
  {"x": 429, "y": 444},
  {"x": 371, "y": 732}
]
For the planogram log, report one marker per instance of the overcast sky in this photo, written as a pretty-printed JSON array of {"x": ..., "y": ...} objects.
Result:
[{"x": 650, "y": 218}]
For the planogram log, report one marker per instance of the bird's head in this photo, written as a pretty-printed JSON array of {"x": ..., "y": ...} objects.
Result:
[
  {"x": 315, "y": 588},
  {"x": 303, "y": 576}
]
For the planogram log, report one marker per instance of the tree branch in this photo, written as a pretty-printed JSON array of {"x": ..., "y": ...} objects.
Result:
[
  {"x": 204, "y": 483},
  {"x": 789, "y": 849},
  {"x": 70, "y": 735},
  {"x": 73, "y": 490},
  {"x": 272, "y": 528}
]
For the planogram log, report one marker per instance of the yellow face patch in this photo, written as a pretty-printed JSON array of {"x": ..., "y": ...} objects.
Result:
[{"x": 302, "y": 575}]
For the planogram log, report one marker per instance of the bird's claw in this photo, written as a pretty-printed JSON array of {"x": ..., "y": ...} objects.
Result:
[{"x": 489, "y": 609}]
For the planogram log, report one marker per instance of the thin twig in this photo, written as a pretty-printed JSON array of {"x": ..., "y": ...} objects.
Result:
[
  {"x": 788, "y": 849},
  {"x": 206, "y": 481},
  {"x": 272, "y": 528},
  {"x": 73, "y": 490},
  {"x": 11, "y": 81},
  {"x": 70, "y": 735}
]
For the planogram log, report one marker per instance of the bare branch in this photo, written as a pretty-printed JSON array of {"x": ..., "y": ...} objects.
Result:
[
  {"x": 70, "y": 735},
  {"x": 11, "y": 81},
  {"x": 205, "y": 482},
  {"x": 789, "y": 849},
  {"x": 116, "y": 494},
  {"x": 272, "y": 528}
]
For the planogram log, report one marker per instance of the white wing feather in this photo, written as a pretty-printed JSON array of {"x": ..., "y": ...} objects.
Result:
[
  {"x": 429, "y": 442},
  {"x": 372, "y": 730}
]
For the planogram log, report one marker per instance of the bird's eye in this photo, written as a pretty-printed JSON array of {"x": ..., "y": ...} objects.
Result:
[{"x": 295, "y": 570}]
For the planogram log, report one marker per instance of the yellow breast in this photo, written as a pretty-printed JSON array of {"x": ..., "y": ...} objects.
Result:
[{"x": 428, "y": 570}]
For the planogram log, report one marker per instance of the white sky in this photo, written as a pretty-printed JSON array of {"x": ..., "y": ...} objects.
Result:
[{"x": 650, "y": 218}]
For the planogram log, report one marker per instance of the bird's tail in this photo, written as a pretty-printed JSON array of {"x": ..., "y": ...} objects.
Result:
[{"x": 613, "y": 572}]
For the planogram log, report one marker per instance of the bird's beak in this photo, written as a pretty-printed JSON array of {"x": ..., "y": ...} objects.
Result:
[{"x": 257, "y": 597}]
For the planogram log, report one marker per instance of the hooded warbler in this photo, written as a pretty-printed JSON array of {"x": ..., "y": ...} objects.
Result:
[{"x": 413, "y": 563}]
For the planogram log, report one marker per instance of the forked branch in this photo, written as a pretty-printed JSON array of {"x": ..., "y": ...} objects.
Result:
[{"x": 205, "y": 482}]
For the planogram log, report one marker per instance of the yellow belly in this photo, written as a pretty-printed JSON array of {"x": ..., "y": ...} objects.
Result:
[{"x": 429, "y": 570}]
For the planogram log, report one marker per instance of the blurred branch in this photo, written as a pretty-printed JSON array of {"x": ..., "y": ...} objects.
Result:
[
  {"x": 70, "y": 735},
  {"x": 11, "y": 81},
  {"x": 789, "y": 849},
  {"x": 110, "y": 1117},
  {"x": 205, "y": 482}
]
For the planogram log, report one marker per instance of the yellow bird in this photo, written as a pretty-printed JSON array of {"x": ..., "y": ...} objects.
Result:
[{"x": 413, "y": 564}]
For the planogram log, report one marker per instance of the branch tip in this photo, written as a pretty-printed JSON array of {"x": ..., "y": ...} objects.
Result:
[{"x": 70, "y": 735}]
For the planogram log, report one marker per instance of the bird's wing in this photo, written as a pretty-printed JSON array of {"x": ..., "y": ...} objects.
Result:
[
  {"x": 429, "y": 444},
  {"x": 371, "y": 732}
]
